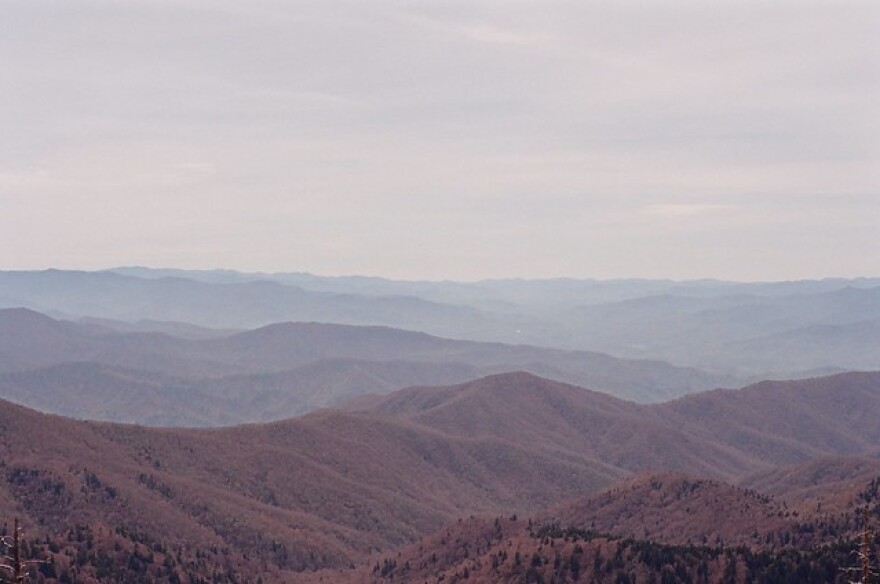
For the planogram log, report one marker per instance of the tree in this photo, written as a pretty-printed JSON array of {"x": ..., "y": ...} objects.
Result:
[
  {"x": 12, "y": 567},
  {"x": 11, "y": 563}
]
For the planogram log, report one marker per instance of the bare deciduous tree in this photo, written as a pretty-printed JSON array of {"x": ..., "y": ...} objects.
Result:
[{"x": 12, "y": 567}]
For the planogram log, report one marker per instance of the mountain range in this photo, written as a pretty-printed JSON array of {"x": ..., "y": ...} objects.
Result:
[
  {"x": 219, "y": 426},
  {"x": 91, "y": 370},
  {"x": 335, "y": 489},
  {"x": 748, "y": 330}
]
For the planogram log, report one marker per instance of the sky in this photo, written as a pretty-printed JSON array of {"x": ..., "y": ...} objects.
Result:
[{"x": 443, "y": 139}]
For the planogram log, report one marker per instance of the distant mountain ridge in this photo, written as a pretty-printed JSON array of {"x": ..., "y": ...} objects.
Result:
[
  {"x": 275, "y": 372},
  {"x": 561, "y": 292},
  {"x": 748, "y": 330}
]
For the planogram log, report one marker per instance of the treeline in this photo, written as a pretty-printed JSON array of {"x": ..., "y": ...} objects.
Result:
[
  {"x": 559, "y": 555},
  {"x": 631, "y": 561},
  {"x": 123, "y": 557}
]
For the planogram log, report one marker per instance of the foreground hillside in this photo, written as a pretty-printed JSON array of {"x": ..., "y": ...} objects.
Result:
[
  {"x": 335, "y": 488},
  {"x": 507, "y": 550},
  {"x": 324, "y": 490},
  {"x": 653, "y": 528},
  {"x": 679, "y": 510}
]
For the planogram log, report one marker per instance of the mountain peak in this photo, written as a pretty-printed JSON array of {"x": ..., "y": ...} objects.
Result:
[{"x": 21, "y": 314}]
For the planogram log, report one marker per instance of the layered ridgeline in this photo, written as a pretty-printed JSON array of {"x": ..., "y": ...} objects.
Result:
[
  {"x": 95, "y": 371},
  {"x": 756, "y": 330},
  {"x": 342, "y": 488}
]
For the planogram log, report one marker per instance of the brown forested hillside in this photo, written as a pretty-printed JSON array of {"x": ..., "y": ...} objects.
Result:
[{"x": 334, "y": 488}]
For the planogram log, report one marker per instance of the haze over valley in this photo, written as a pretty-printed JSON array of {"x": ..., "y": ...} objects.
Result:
[{"x": 747, "y": 331}]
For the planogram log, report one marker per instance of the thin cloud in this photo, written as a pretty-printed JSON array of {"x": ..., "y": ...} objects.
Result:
[
  {"x": 197, "y": 167},
  {"x": 530, "y": 131},
  {"x": 684, "y": 210},
  {"x": 490, "y": 33}
]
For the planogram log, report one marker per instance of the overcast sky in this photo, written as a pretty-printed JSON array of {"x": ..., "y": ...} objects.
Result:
[{"x": 443, "y": 139}]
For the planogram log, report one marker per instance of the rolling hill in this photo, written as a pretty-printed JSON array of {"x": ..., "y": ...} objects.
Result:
[
  {"x": 720, "y": 433},
  {"x": 335, "y": 487},
  {"x": 680, "y": 510}
]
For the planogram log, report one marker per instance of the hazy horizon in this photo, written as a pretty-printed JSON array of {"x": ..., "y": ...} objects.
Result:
[
  {"x": 443, "y": 140},
  {"x": 440, "y": 279}
]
